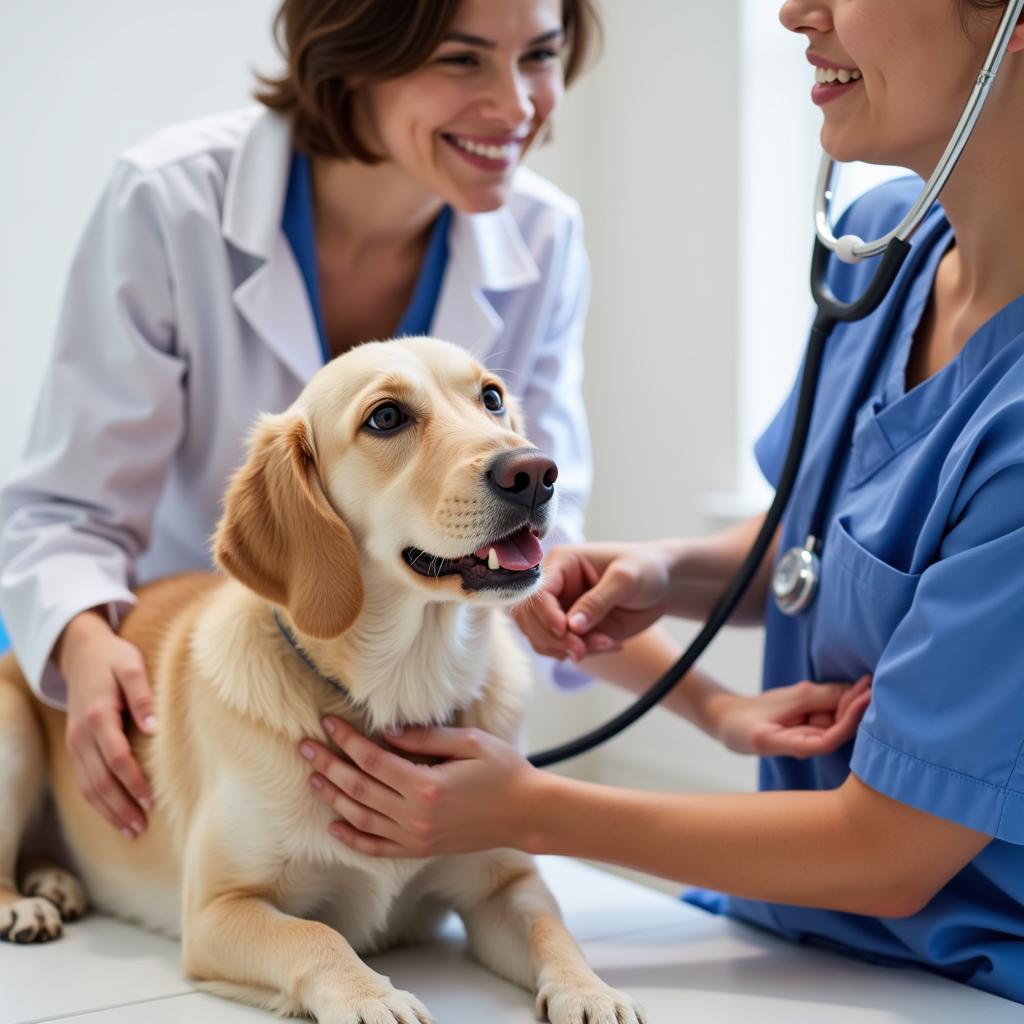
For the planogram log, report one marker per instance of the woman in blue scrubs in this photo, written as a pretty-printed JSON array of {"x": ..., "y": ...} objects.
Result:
[{"x": 907, "y": 845}]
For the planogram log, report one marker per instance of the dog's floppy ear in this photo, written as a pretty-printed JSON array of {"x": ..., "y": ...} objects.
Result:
[{"x": 280, "y": 537}]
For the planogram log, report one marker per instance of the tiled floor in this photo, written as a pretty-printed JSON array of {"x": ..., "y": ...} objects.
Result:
[{"x": 682, "y": 964}]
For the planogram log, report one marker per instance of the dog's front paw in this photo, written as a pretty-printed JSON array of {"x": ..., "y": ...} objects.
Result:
[
  {"x": 390, "y": 1006},
  {"x": 60, "y": 887},
  {"x": 31, "y": 919},
  {"x": 586, "y": 1002}
]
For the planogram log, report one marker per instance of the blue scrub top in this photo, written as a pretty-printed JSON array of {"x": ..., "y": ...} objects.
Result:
[
  {"x": 297, "y": 223},
  {"x": 923, "y": 586}
]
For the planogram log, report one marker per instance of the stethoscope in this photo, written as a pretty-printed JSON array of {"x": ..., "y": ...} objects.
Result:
[{"x": 796, "y": 578}]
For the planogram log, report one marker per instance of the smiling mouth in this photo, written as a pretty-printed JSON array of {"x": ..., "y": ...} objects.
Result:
[
  {"x": 493, "y": 156},
  {"x": 509, "y": 562},
  {"x": 836, "y": 76}
]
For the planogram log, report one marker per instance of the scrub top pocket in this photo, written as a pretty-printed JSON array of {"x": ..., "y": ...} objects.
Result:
[{"x": 860, "y": 602}]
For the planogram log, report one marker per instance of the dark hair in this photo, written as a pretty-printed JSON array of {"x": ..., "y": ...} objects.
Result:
[{"x": 327, "y": 43}]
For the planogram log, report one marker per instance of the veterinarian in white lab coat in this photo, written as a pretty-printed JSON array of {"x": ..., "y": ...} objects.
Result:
[{"x": 229, "y": 258}]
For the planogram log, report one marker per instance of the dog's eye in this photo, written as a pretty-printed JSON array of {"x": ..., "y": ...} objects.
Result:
[
  {"x": 387, "y": 417},
  {"x": 493, "y": 402}
]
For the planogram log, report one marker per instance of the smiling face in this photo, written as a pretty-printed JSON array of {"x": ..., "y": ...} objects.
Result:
[
  {"x": 891, "y": 77},
  {"x": 460, "y": 124},
  {"x": 419, "y": 453}
]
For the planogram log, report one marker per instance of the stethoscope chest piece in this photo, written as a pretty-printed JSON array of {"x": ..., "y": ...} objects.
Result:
[{"x": 795, "y": 579}]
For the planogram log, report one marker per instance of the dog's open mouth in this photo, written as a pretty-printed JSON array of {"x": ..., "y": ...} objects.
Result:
[{"x": 512, "y": 561}]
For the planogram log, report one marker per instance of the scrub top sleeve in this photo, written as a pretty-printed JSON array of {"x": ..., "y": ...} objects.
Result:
[
  {"x": 556, "y": 420},
  {"x": 945, "y": 729},
  {"x": 771, "y": 447},
  {"x": 79, "y": 507}
]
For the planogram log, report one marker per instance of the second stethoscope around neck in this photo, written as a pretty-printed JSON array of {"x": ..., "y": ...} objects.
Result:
[{"x": 795, "y": 580}]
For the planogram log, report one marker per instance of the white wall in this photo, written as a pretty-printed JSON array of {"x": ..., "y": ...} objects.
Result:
[{"x": 81, "y": 82}]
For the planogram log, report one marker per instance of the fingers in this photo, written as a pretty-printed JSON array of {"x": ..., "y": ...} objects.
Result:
[
  {"x": 441, "y": 741},
  {"x": 347, "y": 779},
  {"x": 138, "y": 695},
  {"x": 547, "y": 611},
  {"x": 861, "y": 686},
  {"x": 392, "y": 770},
  {"x": 542, "y": 614},
  {"x": 542, "y": 621},
  {"x": 805, "y": 741},
  {"x": 359, "y": 816},
  {"x": 611, "y": 590},
  {"x": 372, "y": 846},
  {"x": 105, "y": 794},
  {"x": 601, "y": 643},
  {"x": 118, "y": 760}
]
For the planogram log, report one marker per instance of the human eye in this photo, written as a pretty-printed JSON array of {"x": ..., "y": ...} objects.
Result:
[
  {"x": 542, "y": 55},
  {"x": 459, "y": 60}
]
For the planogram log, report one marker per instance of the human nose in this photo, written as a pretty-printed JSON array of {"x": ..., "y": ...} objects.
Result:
[
  {"x": 509, "y": 98},
  {"x": 806, "y": 15}
]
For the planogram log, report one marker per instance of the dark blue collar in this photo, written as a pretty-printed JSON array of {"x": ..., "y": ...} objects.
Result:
[{"x": 308, "y": 661}]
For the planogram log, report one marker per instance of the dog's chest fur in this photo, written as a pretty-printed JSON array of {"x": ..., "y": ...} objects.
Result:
[{"x": 255, "y": 792}]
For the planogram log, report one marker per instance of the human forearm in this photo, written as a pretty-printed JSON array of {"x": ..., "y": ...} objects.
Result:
[
  {"x": 645, "y": 658},
  {"x": 700, "y": 570},
  {"x": 849, "y": 849}
]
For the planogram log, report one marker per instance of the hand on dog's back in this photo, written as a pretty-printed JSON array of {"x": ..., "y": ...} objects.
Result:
[{"x": 106, "y": 675}]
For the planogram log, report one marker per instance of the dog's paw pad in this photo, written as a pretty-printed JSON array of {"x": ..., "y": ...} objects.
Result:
[
  {"x": 393, "y": 1007},
  {"x": 588, "y": 1003},
  {"x": 60, "y": 887},
  {"x": 32, "y": 919}
]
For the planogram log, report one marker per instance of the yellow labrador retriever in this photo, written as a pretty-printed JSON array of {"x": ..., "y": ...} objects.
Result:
[{"x": 369, "y": 542}]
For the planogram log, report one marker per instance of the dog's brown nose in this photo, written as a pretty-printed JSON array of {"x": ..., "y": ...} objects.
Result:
[{"x": 523, "y": 476}]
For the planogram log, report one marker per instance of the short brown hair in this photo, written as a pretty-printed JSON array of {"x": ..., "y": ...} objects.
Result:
[{"x": 327, "y": 43}]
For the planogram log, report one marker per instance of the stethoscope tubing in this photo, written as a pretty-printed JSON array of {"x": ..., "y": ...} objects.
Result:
[{"x": 830, "y": 312}]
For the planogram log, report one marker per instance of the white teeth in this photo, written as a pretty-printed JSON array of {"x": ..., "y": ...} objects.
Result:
[
  {"x": 826, "y": 76},
  {"x": 502, "y": 152},
  {"x": 492, "y": 560}
]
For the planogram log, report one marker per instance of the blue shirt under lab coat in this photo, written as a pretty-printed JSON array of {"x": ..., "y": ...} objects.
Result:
[{"x": 923, "y": 586}]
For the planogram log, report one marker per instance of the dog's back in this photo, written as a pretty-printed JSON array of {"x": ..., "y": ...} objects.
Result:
[{"x": 34, "y": 760}]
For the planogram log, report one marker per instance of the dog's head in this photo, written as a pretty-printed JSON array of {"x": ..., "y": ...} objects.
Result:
[{"x": 406, "y": 456}]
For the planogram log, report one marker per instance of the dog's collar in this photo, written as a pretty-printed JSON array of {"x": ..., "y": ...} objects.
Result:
[{"x": 308, "y": 661}]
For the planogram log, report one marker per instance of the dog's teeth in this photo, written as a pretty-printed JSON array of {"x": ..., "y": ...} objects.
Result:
[{"x": 492, "y": 560}]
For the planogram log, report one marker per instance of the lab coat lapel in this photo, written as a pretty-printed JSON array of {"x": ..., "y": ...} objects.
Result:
[
  {"x": 487, "y": 255},
  {"x": 272, "y": 298}
]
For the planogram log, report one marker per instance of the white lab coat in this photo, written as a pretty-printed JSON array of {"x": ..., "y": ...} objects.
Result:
[{"x": 185, "y": 316}]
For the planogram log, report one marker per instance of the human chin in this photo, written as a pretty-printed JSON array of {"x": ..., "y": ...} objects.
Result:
[
  {"x": 846, "y": 145},
  {"x": 480, "y": 198}
]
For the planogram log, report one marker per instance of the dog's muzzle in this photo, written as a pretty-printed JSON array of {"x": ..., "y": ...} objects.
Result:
[{"x": 523, "y": 480}]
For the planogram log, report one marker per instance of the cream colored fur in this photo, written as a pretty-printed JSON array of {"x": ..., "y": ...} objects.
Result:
[{"x": 237, "y": 859}]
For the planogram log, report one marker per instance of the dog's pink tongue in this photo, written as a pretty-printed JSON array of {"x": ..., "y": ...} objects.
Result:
[{"x": 520, "y": 551}]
